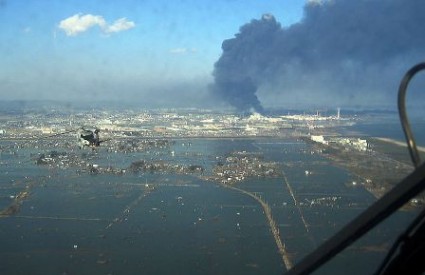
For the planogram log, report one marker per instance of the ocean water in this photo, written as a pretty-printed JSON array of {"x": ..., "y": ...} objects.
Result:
[
  {"x": 80, "y": 223},
  {"x": 388, "y": 126}
]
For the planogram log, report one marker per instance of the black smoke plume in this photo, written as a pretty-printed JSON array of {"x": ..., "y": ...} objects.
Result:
[{"x": 341, "y": 52}]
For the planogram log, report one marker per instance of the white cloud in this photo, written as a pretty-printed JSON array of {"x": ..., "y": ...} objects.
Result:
[
  {"x": 121, "y": 24},
  {"x": 317, "y": 2},
  {"x": 183, "y": 50},
  {"x": 79, "y": 23},
  {"x": 178, "y": 51}
]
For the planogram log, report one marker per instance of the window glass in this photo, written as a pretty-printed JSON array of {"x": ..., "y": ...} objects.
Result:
[{"x": 223, "y": 137}]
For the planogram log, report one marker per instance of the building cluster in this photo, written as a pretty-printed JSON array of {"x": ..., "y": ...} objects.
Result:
[
  {"x": 345, "y": 142},
  {"x": 242, "y": 165},
  {"x": 158, "y": 123}
]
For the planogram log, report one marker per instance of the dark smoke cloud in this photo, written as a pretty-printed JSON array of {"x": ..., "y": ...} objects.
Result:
[{"x": 341, "y": 52}]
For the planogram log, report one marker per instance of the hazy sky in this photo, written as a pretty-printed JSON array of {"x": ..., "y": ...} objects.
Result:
[
  {"x": 276, "y": 53},
  {"x": 145, "y": 51}
]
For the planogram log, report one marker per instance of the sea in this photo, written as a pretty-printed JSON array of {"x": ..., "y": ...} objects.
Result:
[{"x": 73, "y": 222}]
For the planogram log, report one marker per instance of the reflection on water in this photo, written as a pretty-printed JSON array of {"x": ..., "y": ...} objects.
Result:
[{"x": 162, "y": 223}]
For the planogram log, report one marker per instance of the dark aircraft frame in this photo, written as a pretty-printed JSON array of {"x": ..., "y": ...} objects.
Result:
[
  {"x": 89, "y": 137},
  {"x": 86, "y": 137}
]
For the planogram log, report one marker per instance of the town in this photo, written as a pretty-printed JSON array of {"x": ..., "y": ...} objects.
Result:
[{"x": 175, "y": 123}]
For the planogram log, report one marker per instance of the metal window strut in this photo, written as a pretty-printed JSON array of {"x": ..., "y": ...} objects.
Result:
[{"x": 411, "y": 143}]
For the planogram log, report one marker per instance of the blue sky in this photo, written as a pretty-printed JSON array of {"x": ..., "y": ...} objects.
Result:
[{"x": 146, "y": 50}]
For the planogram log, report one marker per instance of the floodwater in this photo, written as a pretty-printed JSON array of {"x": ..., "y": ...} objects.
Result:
[{"x": 168, "y": 223}]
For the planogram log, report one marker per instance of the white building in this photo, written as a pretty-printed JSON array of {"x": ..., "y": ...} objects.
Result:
[{"x": 319, "y": 139}]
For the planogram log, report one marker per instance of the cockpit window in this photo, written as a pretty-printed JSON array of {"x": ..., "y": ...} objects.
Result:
[{"x": 231, "y": 137}]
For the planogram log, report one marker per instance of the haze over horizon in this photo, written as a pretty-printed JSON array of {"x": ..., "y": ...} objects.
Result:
[{"x": 270, "y": 54}]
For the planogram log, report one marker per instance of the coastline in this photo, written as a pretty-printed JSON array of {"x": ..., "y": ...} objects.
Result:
[{"x": 399, "y": 143}]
